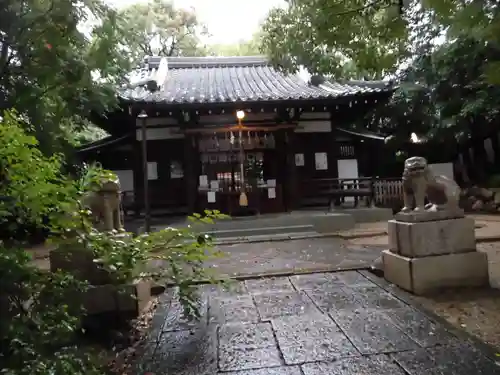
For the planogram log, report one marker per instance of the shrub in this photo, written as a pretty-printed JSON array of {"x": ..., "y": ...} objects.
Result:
[
  {"x": 36, "y": 195},
  {"x": 37, "y": 324},
  {"x": 173, "y": 255}
]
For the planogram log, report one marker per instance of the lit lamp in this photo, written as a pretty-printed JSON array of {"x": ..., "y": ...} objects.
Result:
[{"x": 240, "y": 115}]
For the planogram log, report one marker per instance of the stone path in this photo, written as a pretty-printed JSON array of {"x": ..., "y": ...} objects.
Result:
[
  {"x": 319, "y": 254},
  {"x": 337, "y": 323}
]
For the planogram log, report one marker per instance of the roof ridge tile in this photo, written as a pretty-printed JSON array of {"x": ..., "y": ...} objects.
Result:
[{"x": 245, "y": 78}]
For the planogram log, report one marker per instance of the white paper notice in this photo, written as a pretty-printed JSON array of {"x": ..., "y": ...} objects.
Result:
[
  {"x": 152, "y": 171},
  {"x": 299, "y": 160},
  {"x": 203, "y": 180},
  {"x": 271, "y": 193},
  {"x": 321, "y": 161},
  {"x": 214, "y": 185},
  {"x": 271, "y": 183},
  {"x": 211, "y": 196}
]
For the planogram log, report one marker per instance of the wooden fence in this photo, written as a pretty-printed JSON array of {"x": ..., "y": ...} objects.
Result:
[
  {"x": 383, "y": 192},
  {"x": 388, "y": 192}
]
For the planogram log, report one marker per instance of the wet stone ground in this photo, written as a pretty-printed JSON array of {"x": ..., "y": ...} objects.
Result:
[
  {"x": 325, "y": 254},
  {"x": 336, "y": 323}
]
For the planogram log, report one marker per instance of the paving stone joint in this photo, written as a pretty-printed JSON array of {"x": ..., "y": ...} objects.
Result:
[{"x": 340, "y": 323}]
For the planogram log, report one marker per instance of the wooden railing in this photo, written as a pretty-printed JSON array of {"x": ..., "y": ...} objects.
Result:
[
  {"x": 382, "y": 192},
  {"x": 335, "y": 191},
  {"x": 388, "y": 192}
]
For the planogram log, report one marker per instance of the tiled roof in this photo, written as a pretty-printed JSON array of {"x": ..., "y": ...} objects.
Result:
[{"x": 233, "y": 79}]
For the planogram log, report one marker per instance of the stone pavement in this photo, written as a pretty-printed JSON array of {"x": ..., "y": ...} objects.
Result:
[
  {"x": 318, "y": 254},
  {"x": 327, "y": 323}
]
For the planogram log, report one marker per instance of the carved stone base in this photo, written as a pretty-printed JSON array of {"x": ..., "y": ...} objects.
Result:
[
  {"x": 130, "y": 299},
  {"x": 416, "y": 217},
  {"x": 428, "y": 274},
  {"x": 419, "y": 239},
  {"x": 79, "y": 262}
]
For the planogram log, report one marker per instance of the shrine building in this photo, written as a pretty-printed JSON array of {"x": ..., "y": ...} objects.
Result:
[{"x": 208, "y": 119}]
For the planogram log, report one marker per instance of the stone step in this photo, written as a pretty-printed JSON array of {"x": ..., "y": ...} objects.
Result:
[
  {"x": 268, "y": 238},
  {"x": 260, "y": 231},
  {"x": 277, "y": 224}
]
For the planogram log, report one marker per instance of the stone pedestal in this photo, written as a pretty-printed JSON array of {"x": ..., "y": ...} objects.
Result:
[
  {"x": 79, "y": 262},
  {"x": 429, "y": 251},
  {"x": 105, "y": 294},
  {"x": 126, "y": 300},
  {"x": 426, "y": 238}
]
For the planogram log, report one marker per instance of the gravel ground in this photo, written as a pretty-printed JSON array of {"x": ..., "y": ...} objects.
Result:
[{"x": 475, "y": 310}]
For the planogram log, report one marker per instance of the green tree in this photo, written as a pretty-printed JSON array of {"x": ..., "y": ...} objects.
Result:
[
  {"x": 158, "y": 28},
  {"x": 78, "y": 136},
  {"x": 241, "y": 48},
  {"x": 323, "y": 35},
  {"x": 445, "y": 95},
  {"x": 375, "y": 37},
  {"x": 477, "y": 19},
  {"x": 444, "y": 54},
  {"x": 60, "y": 61}
]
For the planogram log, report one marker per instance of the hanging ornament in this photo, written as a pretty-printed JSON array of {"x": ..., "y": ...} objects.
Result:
[
  {"x": 216, "y": 141},
  {"x": 225, "y": 145},
  {"x": 271, "y": 141},
  {"x": 211, "y": 143}
]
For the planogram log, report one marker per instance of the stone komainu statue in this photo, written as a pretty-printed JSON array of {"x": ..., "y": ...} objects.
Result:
[
  {"x": 419, "y": 182},
  {"x": 105, "y": 205}
]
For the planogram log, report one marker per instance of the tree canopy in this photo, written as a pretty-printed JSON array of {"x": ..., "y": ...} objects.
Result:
[
  {"x": 242, "y": 48},
  {"x": 376, "y": 36},
  {"x": 323, "y": 35},
  {"x": 61, "y": 60},
  {"x": 158, "y": 28},
  {"x": 445, "y": 54},
  {"x": 50, "y": 54}
]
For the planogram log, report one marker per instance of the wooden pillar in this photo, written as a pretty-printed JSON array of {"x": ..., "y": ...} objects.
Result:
[
  {"x": 190, "y": 175},
  {"x": 280, "y": 165},
  {"x": 138, "y": 177},
  {"x": 334, "y": 152},
  {"x": 292, "y": 196}
]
